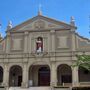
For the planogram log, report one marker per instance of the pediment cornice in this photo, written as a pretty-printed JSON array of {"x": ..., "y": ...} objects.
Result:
[{"x": 41, "y": 23}]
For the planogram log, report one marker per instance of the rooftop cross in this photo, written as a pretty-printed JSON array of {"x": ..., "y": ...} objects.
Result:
[{"x": 39, "y": 11}]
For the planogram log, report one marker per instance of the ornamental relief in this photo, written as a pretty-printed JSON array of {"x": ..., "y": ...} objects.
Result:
[{"x": 39, "y": 24}]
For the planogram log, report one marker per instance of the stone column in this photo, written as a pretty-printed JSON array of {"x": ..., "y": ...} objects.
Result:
[
  {"x": 75, "y": 76},
  {"x": 26, "y": 42},
  {"x": 25, "y": 76},
  {"x": 6, "y": 76},
  {"x": 53, "y": 74}
]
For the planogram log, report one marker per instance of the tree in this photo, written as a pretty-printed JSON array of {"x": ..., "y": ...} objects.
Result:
[{"x": 83, "y": 62}]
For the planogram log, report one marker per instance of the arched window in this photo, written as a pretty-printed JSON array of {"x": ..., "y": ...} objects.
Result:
[{"x": 39, "y": 45}]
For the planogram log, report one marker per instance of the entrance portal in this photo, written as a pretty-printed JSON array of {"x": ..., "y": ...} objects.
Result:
[
  {"x": 44, "y": 76},
  {"x": 39, "y": 75}
]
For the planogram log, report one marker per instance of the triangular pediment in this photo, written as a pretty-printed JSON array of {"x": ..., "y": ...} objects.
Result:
[{"x": 41, "y": 23}]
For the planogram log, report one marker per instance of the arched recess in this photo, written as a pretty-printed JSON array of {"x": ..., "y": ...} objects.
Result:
[
  {"x": 15, "y": 76},
  {"x": 39, "y": 75},
  {"x": 64, "y": 74},
  {"x": 39, "y": 45},
  {"x": 84, "y": 75},
  {"x": 1, "y": 74}
]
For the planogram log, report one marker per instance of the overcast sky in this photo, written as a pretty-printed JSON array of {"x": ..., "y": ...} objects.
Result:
[{"x": 19, "y": 11}]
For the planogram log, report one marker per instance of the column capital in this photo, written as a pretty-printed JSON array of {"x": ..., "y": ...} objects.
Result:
[
  {"x": 52, "y": 31},
  {"x": 26, "y": 33},
  {"x": 25, "y": 68},
  {"x": 8, "y": 34},
  {"x": 53, "y": 62},
  {"x": 74, "y": 68},
  {"x": 6, "y": 66}
]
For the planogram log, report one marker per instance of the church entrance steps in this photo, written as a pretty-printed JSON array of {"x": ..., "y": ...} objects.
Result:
[
  {"x": 30, "y": 88},
  {"x": 40, "y": 88},
  {"x": 17, "y": 88},
  {"x": 2, "y": 88},
  {"x": 63, "y": 88}
]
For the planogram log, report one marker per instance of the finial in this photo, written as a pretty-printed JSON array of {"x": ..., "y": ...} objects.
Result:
[
  {"x": 39, "y": 10},
  {"x": 72, "y": 21},
  {"x": 9, "y": 25}
]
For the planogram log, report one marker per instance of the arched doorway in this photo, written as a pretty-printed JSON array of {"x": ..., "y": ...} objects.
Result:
[
  {"x": 84, "y": 75},
  {"x": 64, "y": 74},
  {"x": 39, "y": 75},
  {"x": 1, "y": 74},
  {"x": 15, "y": 76}
]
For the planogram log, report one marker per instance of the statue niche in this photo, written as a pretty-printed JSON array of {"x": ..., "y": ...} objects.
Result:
[{"x": 39, "y": 45}]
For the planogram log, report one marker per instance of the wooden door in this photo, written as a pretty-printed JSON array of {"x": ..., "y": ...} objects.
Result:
[{"x": 44, "y": 77}]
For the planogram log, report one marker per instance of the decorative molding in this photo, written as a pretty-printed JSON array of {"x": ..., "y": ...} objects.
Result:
[
  {"x": 39, "y": 24},
  {"x": 16, "y": 44},
  {"x": 52, "y": 31},
  {"x": 62, "y": 42},
  {"x": 41, "y": 54}
]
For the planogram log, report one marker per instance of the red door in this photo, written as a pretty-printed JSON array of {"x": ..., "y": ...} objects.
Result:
[{"x": 44, "y": 77}]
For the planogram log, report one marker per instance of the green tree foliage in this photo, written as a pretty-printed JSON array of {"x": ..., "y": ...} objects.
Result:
[{"x": 83, "y": 61}]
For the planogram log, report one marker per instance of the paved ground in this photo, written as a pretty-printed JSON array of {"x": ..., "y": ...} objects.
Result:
[{"x": 31, "y": 88}]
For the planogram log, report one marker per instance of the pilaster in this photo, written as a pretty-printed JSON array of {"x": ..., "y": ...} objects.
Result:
[
  {"x": 52, "y": 32},
  {"x": 26, "y": 42},
  {"x": 53, "y": 74},
  {"x": 75, "y": 76},
  {"x": 6, "y": 75},
  {"x": 73, "y": 39},
  {"x": 25, "y": 76}
]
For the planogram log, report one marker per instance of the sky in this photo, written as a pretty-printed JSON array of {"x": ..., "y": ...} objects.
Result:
[{"x": 19, "y": 11}]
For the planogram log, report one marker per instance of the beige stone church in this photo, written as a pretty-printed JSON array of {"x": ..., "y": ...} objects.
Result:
[{"x": 40, "y": 52}]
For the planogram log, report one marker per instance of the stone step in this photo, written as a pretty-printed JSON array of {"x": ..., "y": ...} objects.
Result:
[
  {"x": 64, "y": 88},
  {"x": 2, "y": 88},
  {"x": 30, "y": 88}
]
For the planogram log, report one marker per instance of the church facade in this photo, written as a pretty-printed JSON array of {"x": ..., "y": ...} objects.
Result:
[{"x": 40, "y": 52}]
